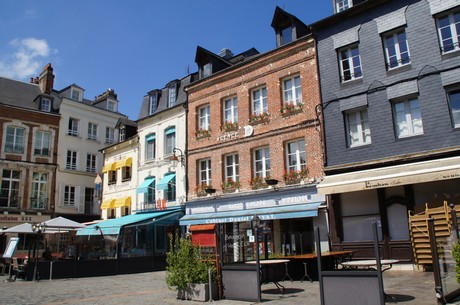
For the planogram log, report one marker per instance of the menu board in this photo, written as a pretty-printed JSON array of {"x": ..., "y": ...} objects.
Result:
[{"x": 12, "y": 244}]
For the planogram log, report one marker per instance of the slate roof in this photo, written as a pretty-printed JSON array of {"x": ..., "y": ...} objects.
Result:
[
  {"x": 19, "y": 94},
  {"x": 181, "y": 96}
]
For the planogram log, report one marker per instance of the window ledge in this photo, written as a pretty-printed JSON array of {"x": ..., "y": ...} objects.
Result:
[
  {"x": 352, "y": 82},
  {"x": 257, "y": 122}
]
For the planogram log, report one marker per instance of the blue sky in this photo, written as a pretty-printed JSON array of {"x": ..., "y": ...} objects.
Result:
[{"x": 133, "y": 46}]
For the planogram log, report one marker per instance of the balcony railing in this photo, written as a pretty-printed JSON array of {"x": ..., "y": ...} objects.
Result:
[
  {"x": 17, "y": 149},
  {"x": 9, "y": 202}
]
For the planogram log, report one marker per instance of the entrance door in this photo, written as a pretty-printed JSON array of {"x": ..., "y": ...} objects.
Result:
[{"x": 398, "y": 241}]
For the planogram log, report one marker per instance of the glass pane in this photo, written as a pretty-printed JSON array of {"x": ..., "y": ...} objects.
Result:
[{"x": 397, "y": 222}]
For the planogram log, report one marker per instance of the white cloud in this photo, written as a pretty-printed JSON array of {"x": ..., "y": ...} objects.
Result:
[{"x": 28, "y": 56}]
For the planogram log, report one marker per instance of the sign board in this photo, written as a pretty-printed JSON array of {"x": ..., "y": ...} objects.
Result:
[{"x": 12, "y": 244}]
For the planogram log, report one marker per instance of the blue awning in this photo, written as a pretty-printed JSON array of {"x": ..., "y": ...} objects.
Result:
[
  {"x": 144, "y": 187},
  {"x": 282, "y": 212},
  {"x": 113, "y": 226},
  {"x": 150, "y": 137},
  {"x": 163, "y": 184}
]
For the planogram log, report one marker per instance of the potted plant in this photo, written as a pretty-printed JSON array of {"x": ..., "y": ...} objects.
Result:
[
  {"x": 230, "y": 185},
  {"x": 258, "y": 182},
  {"x": 294, "y": 176},
  {"x": 290, "y": 107},
  {"x": 258, "y": 118},
  {"x": 229, "y": 126},
  {"x": 202, "y": 133},
  {"x": 187, "y": 271},
  {"x": 202, "y": 189}
]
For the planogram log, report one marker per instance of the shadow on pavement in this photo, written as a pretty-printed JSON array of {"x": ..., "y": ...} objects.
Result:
[
  {"x": 286, "y": 291},
  {"x": 399, "y": 298}
]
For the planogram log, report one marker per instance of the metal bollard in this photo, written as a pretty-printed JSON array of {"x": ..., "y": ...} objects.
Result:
[{"x": 210, "y": 285}]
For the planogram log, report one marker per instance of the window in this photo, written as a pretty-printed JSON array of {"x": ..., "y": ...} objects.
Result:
[
  {"x": 92, "y": 131},
  {"x": 341, "y": 5},
  {"x": 122, "y": 134},
  {"x": 232, "y": 167},
  {"x": 73, "y": 127},
  {"x": 262, "y": 162},
  {"x": 150, "y": 147},
  {"x": 69, "y": 195},
  {"x": 204, "y": 117},
  {"x": 109, "y": 135},
  {"x": 14, "y": 140},
  {"x": 358, "y": 128},
  {"x": 71, "y": 160},
  {"x": 91, "y": 163},
  {"x": 259, "y": 101},
  {"x": 407, "y": 118},
  {"x": 153, "y": 104},
  {"x": 45, "y": 105},
  {"x": 206, "y": 70},
  {"x": 172, "y": 95},
  {"x": 42, "y": 143},
  {"x": 149, "y": 196},
  {"x": 292, "y": 90},
  {"x": 396, "y": 49},
  {"x": 454, "y": 103},
  {"x": 126, "y": 173},
  {"x": 350, "y": 63},
  {"x": 9, "y": 189},
  {"x": 39, "y": 198},
  {"x": 170, "y": 140},
  {"x": 231, "y": 110},
  {"x": 286, "y": 35},
  {"x": 111, "y": 106},
  {"x": 205, "y": 172},
  {"x": 112, "y": 177},
  {"x": 296, "y": 156},
  {"x": 171, "y": 191},
  {"x": 449, "y": 31},
  {"x": 76, "y": 94}
]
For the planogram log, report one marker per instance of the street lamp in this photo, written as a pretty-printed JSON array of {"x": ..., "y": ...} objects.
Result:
[
  {"x": 255, "y": 226},
  {"x": 39, "y": 229},
  {"x": 180, "y": 158}
]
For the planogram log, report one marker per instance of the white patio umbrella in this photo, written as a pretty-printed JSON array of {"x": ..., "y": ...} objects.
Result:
[
  {"x": 23, "y": 228},
  {"x": 60, "y": 225}
]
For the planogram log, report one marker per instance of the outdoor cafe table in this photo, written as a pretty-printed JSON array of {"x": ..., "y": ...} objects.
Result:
[
  {"x": 272, "y": 264},
  {"x": 386, "y": 264},
  {"x": 333, "y": 258}
]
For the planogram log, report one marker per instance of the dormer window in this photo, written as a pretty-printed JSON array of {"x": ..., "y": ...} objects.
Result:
[
  {"x": 111, "y": 105},
  {"x": 286, "y": 35},
  {"x": 172, "y": 95},
  {"x": 45, "y": 105},
  {"x": 341, "y": 5},
  {"x": 153, "y": 103},
  {"x": 206, "y": 70},
  {"x": 76, "y": 94},
  {"x": 122, "y": 133}
]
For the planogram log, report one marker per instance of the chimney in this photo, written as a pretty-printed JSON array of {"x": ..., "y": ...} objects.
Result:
[
  {"x": 225, "y": 53},
  {"x": 46, "y": 80}
]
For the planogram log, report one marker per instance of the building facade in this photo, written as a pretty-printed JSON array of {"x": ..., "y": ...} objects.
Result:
[
  {"x": 252, "y": 122},
  {"x": 389, "y": 84}
]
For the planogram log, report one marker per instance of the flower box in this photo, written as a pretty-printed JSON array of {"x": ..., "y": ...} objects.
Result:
[
  {"x": 229, "y": 126},
  {"x": 289, "y": 108},
  {"x": 202, "y": 133},
  {"x": 255, "y": 119}
]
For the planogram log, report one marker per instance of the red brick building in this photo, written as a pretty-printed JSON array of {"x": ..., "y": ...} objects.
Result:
[{"x": 254, "y": 116}]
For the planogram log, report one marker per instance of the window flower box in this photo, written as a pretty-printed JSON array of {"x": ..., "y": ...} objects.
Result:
[
  {"x": 255, "y": 119},
  {"x": 258, "y": 182},
  {"x": 229, "y": 126},
  {"x": 230, "y": 185},
  {"x": 202, "y": 133},
  {"x": 294, "y": 176},
  {"x": 204, "y": 189},
  {"x": 290, "y": 108}
]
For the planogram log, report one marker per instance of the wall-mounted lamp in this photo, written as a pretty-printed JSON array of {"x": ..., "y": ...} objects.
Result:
[{"x": 180, "y": 158}]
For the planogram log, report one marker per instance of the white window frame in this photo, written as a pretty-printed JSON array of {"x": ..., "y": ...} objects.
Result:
[
  {"x": 122, "y": 134},
  {"x": 451, "y": 30},
  {"x": 341, "y": 5},
  {"x": 13, "y": 179},
  {"x": 76, "y": 94},
  {"x": 42, "y": 146},
  {"x": 91, "y": 163},
  {"x": 39, "y": 190},
  {"x": 170, "y": 141},
  {"x": 71, "y": 160},
  {"x": 400, "y": 57},
  {"x": 70, "y": 194},
  {"x": 346, "y": 57},
  {"x": 172, "y": 95},
  {"x": 204, "y": 117},
  {"x": 454, "y": 109},
  {"x": 296, "y": 155},
  {"x": 14, "y": 142},
  {"x": 261, "y": 157},
  {"x": 109, "y": 135},
  {"x": 232, "y": 167},
  {"x": 204, "y": 167},
  {"x": 357, "y": 120},
  {"x": 231, "y": 110},
  {"x": 206, "y": 70},
  {"x": 292, "y": 90},
  {"x": 408, "y": 118},
  {"x": 92, "y": 131},
  {"x": 111, "y": 105},
  {"x": 153, "y": 103},
  {"x": 150, "y": 147},
  {"x": 73, "y": 127},
  {"x": 45, "y": 105},
  {"x": 259, "y": 101}
]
